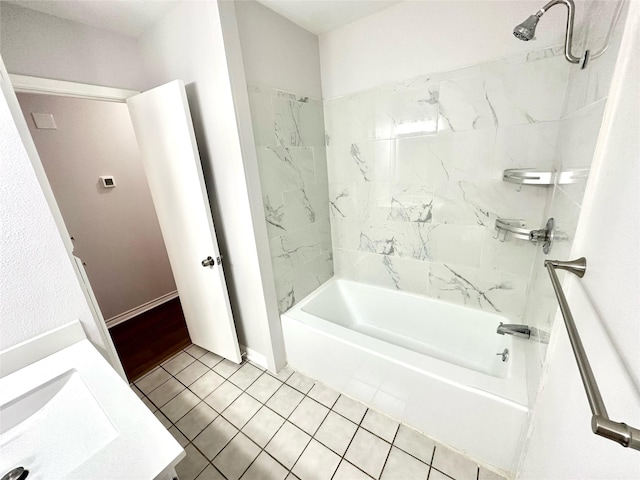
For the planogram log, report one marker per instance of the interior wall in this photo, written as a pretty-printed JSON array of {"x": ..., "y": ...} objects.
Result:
[
  {"x": 115, "y": 230},
  {"x": 189, "y": 43},
  {"x": 415, "y": 38},
  {"x": 605, "y": 303},
  {"x": 277, "y": 53},
  {"x": 41, "y": 45},
  {"x": 282, "y": 68},
  {"x": 40, "y": 290}
]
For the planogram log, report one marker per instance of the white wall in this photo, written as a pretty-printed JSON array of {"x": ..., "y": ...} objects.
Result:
[
  {"x": 39, "y": 289},
  {"x": 115, "y": 230},
  {"x": 41, "y": 45},
  {"x": 418, "y": 37},
  {"x": 605, "y": 303},
  {"x": 188, "y": 43},
  {"x": 276, "y": 52}
]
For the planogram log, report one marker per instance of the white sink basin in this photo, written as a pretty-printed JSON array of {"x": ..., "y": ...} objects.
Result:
[
  {"x": 70, "y": 416},
  {"x": 40, "y": 420}
]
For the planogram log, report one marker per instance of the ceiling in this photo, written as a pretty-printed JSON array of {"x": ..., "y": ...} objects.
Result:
[
  {"x": 321, "y": 16},
  {"x": 133, "y": 17},
  {"x": 126, "y": 17}
]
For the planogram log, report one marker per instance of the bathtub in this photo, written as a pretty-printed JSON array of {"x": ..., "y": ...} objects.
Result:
[{"x": 428, "y": 363}]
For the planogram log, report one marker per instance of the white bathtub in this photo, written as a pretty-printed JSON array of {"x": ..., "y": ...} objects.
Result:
[{"x": 430, "y": 364}]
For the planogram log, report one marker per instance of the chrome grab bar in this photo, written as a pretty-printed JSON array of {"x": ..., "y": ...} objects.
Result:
[{"x": 600, "y": 423}]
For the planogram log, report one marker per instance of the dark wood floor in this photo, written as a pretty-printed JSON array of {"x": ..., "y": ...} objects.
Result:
[{"x": 145, "y": 341}]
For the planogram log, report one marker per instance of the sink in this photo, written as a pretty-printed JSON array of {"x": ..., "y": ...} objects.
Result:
[
  {"x": 68, "y": 415},
  {"x": 37, "y": 428}
]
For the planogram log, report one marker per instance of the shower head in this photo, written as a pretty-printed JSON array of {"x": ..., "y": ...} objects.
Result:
[{"x": 527, "y": 29}]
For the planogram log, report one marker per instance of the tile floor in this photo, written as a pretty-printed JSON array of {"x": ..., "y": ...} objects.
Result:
[{"x": 241, "y": 422}]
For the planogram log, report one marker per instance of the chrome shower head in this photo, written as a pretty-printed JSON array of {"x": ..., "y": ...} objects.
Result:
[{"x": 527, "y": 29}]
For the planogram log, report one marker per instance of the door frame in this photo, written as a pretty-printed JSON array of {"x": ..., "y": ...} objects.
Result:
[{"x": 23, "y": 83}]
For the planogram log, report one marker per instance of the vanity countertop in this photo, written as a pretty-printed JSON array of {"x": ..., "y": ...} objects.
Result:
[{"x": 69, "y": 415}]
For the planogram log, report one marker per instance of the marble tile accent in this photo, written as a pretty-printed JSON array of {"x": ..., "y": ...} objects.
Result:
[
  {"x": 415, "y": 178},
  {"x": 290, "y": 143}
]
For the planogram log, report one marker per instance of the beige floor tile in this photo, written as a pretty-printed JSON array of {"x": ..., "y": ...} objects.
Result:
[
  {"x": 192, "y": 465},
  {"x": 414, "y": 443},
  {"x": 454, "y": 464},
  {"x": 383, "y": 426},
  {"x": 368, "y": 452},
  {"x": 236, "y": 457},
  {"x": 317, "y": 462},
  {"x": 196, "y": 420},
  {"x": 402, "y": 466},
  {"x": 214, "y": 438},
  {"x": 265, "y": 468}
]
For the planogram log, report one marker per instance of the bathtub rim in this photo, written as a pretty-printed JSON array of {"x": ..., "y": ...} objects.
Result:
[{"x": 511, "y": 390}]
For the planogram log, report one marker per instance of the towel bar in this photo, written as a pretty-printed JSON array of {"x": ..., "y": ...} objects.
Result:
[{"x": 600, "y": 423}]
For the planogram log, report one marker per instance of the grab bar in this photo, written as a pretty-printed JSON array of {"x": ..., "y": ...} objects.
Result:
[{"x": 600, "y": 423}]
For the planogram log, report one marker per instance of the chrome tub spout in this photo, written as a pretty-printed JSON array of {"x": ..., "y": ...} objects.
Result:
[{"x": 521, "y": 331}]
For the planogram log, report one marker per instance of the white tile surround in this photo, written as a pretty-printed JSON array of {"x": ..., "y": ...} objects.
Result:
[
  {"x": 415, "y": 178},
  {"x": 289, "y": 136},
  {"x": 243, "y": 422}
]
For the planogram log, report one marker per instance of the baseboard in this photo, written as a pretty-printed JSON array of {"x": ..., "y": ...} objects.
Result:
[
  {"x": 254, "y": 357},
  {"x": 129, "y": 314}
]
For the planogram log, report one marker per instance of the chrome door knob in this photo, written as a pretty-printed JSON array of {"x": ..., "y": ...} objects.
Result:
[{"x": 208, "y": 262}]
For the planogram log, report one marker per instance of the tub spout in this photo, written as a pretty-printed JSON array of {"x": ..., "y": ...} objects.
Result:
[{"x": 522, "y": 331}]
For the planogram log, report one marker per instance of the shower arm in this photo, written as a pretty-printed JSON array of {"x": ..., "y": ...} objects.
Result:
[{"x": 568, "y": 38}]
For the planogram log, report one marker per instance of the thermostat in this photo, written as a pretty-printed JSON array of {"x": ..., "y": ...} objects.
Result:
[{"x": 107, "y": 181}]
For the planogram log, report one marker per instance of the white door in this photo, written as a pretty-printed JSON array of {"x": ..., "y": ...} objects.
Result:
[{"x": 162, "y": 123}]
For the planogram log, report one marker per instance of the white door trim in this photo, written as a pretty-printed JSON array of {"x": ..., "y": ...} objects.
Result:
[
  {"x": 28, "y": 84},
  {"x": 34, "y": 157}
]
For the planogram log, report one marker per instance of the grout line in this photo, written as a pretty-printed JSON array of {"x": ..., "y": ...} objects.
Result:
[{"x": 264, "y": 404}]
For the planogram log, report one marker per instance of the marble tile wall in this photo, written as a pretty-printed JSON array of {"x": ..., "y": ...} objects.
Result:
[
  {"x": 290, "y": 144},
  {"x": 578, "y": 131},
  {"x": 415, "y": 178}
]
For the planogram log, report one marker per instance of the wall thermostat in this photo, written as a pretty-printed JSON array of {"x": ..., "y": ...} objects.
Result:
[{"x": 107, "y": 181}]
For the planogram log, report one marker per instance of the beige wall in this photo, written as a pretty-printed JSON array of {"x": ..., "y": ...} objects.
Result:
[
  {"x": 41, "y": 45},
  {"x": 115, "y": 231}
]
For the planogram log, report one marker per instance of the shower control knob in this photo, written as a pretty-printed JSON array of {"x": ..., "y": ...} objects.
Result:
[{"x": 208, "y": 262}]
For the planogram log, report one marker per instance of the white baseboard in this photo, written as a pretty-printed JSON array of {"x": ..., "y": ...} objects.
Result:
[
  {"x": 129, "y": 314},
  {"x": 254, "y": 357}
]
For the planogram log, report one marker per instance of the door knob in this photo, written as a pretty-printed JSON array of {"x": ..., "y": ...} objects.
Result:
[{"x": 208, "y": 262}]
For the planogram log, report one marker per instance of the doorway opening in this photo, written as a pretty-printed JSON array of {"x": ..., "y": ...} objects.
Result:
[{"x": 91, "y": 158}]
